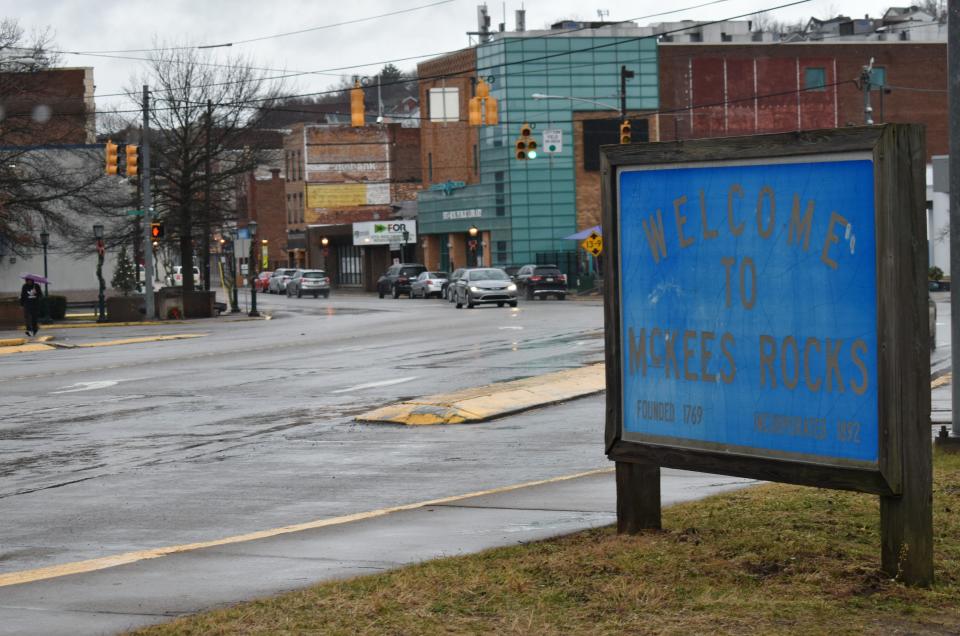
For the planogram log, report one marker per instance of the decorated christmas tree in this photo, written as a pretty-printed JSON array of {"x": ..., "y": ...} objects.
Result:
[{"x": 125, "y": 275}]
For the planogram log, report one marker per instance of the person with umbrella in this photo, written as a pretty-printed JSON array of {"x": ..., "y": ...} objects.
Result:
[{"x": 30, "y": 296}]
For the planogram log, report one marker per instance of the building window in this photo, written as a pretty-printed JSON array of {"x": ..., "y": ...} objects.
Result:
[
  {"x": 444, "y": 104},
  {"x": 814, "y": 79},
  {"x": 878, "y": 78},
  {"x": 501, "y": 251},
  {"x": 476, "y": 160},
  {"x": 430, "y": 167}
]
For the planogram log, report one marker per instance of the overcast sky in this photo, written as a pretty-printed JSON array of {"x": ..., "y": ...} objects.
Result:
[{"x": 369, "y": 41}]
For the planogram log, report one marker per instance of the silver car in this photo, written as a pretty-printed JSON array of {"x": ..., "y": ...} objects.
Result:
[
  {"x": 310, "y": 282},
  {"x": 279, "y": 279},
  {"x": 428, "y": 284},
  {"x": 485, "y": 285}
]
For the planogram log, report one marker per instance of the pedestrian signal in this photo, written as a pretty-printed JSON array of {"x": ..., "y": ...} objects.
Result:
[{"x": 156, "y": 230}]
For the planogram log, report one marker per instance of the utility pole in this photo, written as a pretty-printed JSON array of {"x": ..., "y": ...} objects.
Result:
[
  {"x": 205, "y": 245},
  {"x": 865, "y": 73},
  {"x": 624, "y": 76},
  {"x": 953, "y": 101},
  {"x": 146, "y": 203}
]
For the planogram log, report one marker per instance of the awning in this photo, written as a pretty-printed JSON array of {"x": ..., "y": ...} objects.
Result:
[{"x": 579, "y": 236}]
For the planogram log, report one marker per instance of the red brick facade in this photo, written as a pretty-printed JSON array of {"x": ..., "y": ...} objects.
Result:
[
  {"x": 448, "y": 150},
  {"x": 262, "y": 200},
  {"x": 53, "y": 106},
  {"x": 741, "y": 89}
]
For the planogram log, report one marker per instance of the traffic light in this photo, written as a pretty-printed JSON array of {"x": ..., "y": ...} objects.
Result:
[
  {"x": 357, "y": 117},
  {"x": 625, "y": 131},
  {"x": 526, "y": 145},
  {"x": 156, "y": 231},
  {"x": 111, "y": 150},
  {"x": 483, "y": 108},
  {"x": 133, "y": 156}
]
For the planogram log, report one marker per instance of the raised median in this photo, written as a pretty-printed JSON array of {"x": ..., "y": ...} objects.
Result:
[{"x": 491, "y": 401}]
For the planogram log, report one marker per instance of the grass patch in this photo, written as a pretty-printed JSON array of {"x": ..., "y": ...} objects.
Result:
[{"x": 773, "y": 559}]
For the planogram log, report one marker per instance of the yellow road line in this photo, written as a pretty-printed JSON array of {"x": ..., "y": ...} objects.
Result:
[
  {"x": 102, "y": 563},
  {"x": 25, "y": 348},
  {"x": 123, "y": 341},
  {"x": 86, "y": 325}
]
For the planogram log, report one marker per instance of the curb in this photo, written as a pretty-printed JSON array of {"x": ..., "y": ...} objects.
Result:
[{"x": 493, "y": 400}]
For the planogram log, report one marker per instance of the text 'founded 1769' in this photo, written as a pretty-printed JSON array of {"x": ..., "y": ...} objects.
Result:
[{"x": 748, "y": 308}]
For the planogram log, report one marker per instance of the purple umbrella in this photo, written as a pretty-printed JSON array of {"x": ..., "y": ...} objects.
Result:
[{"x": 35, "y": 277}]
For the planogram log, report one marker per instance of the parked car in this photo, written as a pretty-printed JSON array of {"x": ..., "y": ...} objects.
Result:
[
  {"x": 309, "y": 281},
  {"x": 451, "y": 282},
  {"x": 279, "y": 279},
  {"x": 512, "y": 272},
  {"x": 262, "y": 280},
  {"x": 396, "y": 280},
  {"x": 540, "y": 281},
  {"x": 428, "y": 284},
  {"x": 176, "y": 278},
  {"x": 485, "y": 285}
]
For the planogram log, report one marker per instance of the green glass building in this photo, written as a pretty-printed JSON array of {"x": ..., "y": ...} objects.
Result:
[{"x": 529, "y": 206}]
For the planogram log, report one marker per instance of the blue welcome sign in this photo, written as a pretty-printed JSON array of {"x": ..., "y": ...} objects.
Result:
[{"x": 748, "y": 308}]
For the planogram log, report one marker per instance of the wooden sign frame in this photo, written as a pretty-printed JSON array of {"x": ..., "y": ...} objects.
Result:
[{"x": 903, "y": 475}]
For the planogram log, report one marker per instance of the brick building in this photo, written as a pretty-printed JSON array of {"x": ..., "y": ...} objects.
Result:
[
  {"x": 715, "y": 90},
  {"x": 50, "y": 106},
  {"x": 260, "y": 198},
  {"x": 338, "y": 176}
]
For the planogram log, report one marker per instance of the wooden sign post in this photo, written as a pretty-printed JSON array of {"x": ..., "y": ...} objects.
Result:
[{"x": 766, "y": 317}]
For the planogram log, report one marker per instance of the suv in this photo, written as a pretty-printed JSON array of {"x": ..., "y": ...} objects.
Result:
[
  {"x": 484, "y": 285},
  {"x": 277, "y": 284},
  {"x": 176, "y": 278},
  {"x": 309, "y": 281},
  {"x": 540, "y": 281},
  {"x": 396, "y": 280}
]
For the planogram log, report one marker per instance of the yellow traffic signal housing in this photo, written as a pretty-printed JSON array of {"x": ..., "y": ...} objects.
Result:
[
  {"x": 625, "y": 131},
  {"x": 491, "y": 116},
  {"x": 133, "y": 157},
  {"x": 526, "y": 131},
  {"x": 156, "y": 231},
  {"x": 474, "y": 117},
  {"x": 357, "y": 111},
  {"x": 521, "y": 149},
  {"x": 111, "y": 150}
]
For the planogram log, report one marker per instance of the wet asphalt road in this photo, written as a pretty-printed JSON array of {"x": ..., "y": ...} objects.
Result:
[{"x": 250, "y": 427}]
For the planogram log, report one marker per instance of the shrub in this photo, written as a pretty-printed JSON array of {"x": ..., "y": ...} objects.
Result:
[
  {"x": 935, "y": 273},
  {"x": 54, "y": 306}
]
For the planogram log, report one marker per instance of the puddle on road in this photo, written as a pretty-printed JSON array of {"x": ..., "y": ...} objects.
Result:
[{"x": 326, "y": 312}]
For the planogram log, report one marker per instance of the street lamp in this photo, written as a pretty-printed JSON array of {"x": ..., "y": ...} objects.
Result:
[
  {"x": 473, "y": 231},
  {"x": 98, "y": 234},
  {"x": 45, "y": 241},
  {"x": 232, "y": 247},
  {"x": 252, "y": 270},
  {"x": 324, "y": 241}
]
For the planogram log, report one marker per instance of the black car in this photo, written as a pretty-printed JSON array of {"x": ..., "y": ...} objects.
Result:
[
  {"x": 396, "y": 280},
  {"x": 540, "y": 281}
]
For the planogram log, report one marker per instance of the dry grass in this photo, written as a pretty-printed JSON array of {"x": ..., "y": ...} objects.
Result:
[{"x": 770, "y": 560}]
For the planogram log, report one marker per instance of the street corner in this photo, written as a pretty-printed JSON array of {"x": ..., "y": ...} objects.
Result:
[{"x": 491, "y": 401}]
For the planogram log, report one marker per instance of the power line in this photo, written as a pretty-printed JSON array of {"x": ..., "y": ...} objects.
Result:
[
  {"x": 265, "y": 37},
  {"x": 328, "y": 71}
]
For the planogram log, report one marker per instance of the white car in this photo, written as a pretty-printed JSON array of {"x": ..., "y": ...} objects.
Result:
[
  {"x": 279, "y": 279},
  {"x": 176, "y": 279}
]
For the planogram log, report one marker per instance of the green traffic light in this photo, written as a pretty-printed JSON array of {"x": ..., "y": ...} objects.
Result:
[{"x": 532, "y": 154}]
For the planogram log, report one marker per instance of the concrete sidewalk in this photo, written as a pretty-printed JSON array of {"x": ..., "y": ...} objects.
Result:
[{"x": 155, "y": 589}]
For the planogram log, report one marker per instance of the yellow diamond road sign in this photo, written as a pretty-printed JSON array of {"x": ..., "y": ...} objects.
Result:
[{"x": 593, "y": 244}]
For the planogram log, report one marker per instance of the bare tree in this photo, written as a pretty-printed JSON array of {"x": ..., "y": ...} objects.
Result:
[
  {"x": 48, "y": 179},
  {"x": 202, "y": 119}
]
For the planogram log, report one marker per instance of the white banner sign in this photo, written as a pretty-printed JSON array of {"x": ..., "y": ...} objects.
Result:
[{"x": 384, "y": 232}]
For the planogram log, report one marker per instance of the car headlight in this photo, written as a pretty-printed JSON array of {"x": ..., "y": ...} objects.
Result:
[
  {"x": 511, "y": 288},
  {"x": 474, "y": 289}
]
